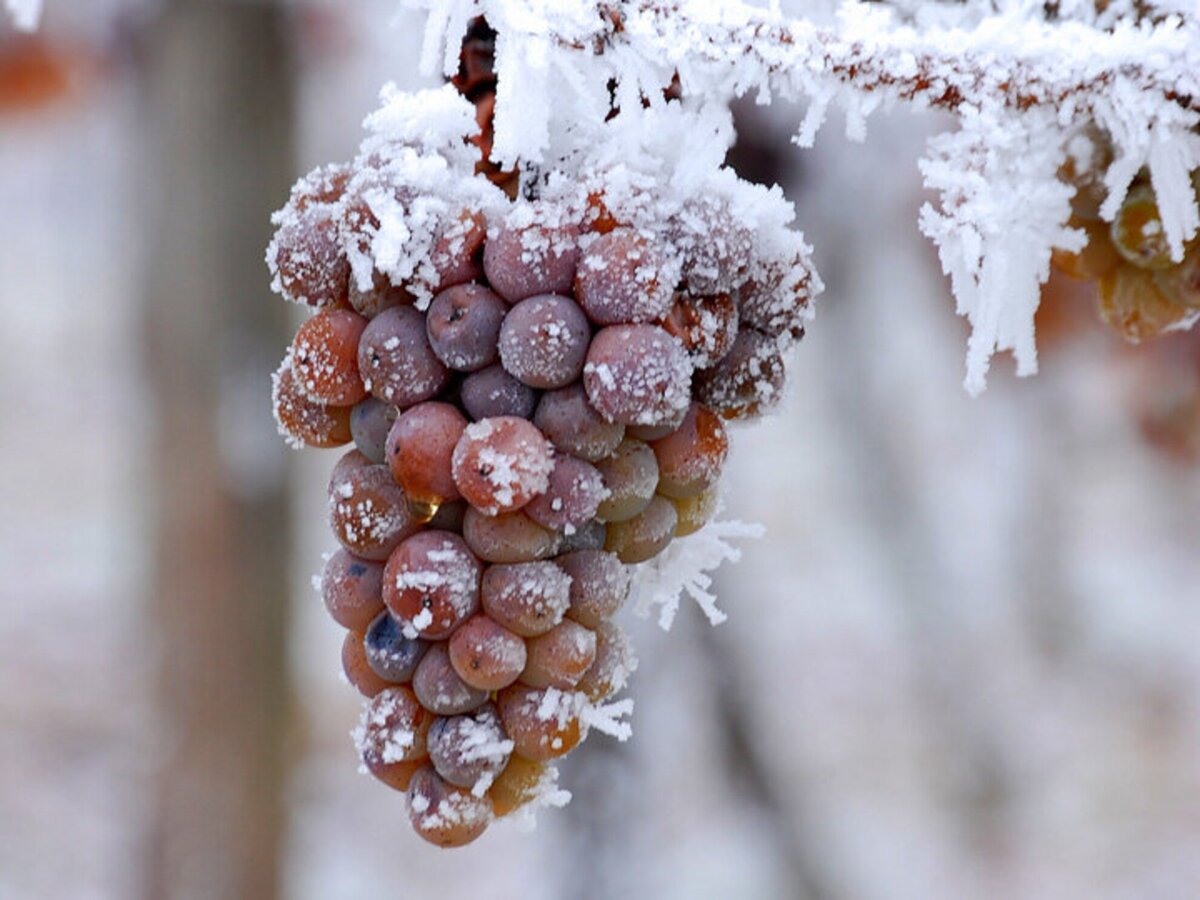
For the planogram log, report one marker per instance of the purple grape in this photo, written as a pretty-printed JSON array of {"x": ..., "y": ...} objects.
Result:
[
  {"x": 573, "y": 426},
  {"x": 463, "y": 324},
  {"x": 622, "y": 278},
  {"x": 493, "y": 392},
  {"x": 527, "y": 256},
  {"x": 467, "y": 748},
  {"x": 395, "y": 359},
  {"x": 390, "y": 654},
  {"x": 439, "y": 688},
  {"x": 544, "y": 340},
  {"x": 637, "y": 375},
  {"x": 574, "y": 494},
  {"x": 370, "y": 422}
]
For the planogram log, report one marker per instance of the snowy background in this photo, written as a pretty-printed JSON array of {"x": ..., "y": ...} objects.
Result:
[{"x": 964, "y": 662}]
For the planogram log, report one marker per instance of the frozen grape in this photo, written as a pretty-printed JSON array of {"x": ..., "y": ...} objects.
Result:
[
  {"x": 305, "y": 422},
  {"x": 352, "y": 590},
  {"x": 463, "y": 323},
  {"x": 395, "y": 360},
  {"x": 1137, "y": 231},
  {"x": 631, "y": 477},
  {"x": 485, "y": 654},
  {"x": 439, "y": 687},
  {"x": 347, "y": 463},
  {"x": 381, "y": 295},
  {"x": 325, "y": 357},
  {"x": 502, "y": 463},
  {"x": 574, "y": 493},
  {"x": 559, "y": 657},
  {"x": 650, "y": 433},
  {"x": 307, "y": 260},
  {"x": 457, "y": 253},
  {"x": 526, "y": 598},
  {"x": 646, "y": 534},
  {"x": 419, "y": 449},
  {"x": 526, "y": 256},
  {"x": 544, "y": 340},
  {"x": 370, "y": 422},
  {"x": 390, "y": 653},
  {"x": 690, "y": 459},
  {"x": 398, "y": 775},
  {"x": 493, "y": 392},
  {"x": 696, "y": 512},
  {"x": 358, "y": 671},
  {"x": 369, "y": 513},
  {"x": 613, "y": 664},
  {"x": 508, "y": 537},
  {"x": 443, "y": 814},
  {"x": 637, "y": 374},
  {"x": 431, "y": 583},
  {"x": 588, "y": 536},
  {"x": 707, "y": 326},
  {"x": 573, "y": 426},
  {"x": 778, "y": 307},
  {"x": 393, "y": 727},
  {"x": 1132, "y": 304},
  {"x": 542, "y": 724},
  {"x": 469, "y": 748},
  {"x": 324, "y": 184},
  {"x": 622, "y": 278},
  {"x": 1181, "y": 283},
  {"x": 747, "y": 381},
  {"x": 599, "y": 585},
  {"x": 517, "y": 785}
]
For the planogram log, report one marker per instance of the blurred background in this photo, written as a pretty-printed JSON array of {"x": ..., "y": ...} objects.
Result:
[{"x": 964, "y": 662}]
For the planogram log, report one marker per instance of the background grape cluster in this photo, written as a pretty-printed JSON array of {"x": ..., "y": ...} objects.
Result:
[{"x": 538, "y": 408}]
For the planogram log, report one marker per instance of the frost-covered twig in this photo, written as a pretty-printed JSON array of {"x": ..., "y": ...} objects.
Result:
[{"x": 25, "y": 13}]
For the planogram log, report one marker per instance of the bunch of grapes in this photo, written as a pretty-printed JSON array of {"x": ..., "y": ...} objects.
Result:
[
  {"x": 1143, "y": 292},
  {"x": 537, "y": 395}
]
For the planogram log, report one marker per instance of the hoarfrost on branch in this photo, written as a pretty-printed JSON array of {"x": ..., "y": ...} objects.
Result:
[{"x": 1026, "y": 83}]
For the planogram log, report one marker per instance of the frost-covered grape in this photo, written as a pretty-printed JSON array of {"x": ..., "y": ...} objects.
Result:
[
  {"x": 622, "y": 278},
  {"x": 325, "y": 357},
  {"x": 777, "y": 306},
  {"x": 324, "y": 184},
  {"x": 631, "y": 476},
  {"x": 747, "y": 381},
  {"x": 696, "y": 512},
  {"x": 1137, "y": 231},
  {"x": 463, "y": 323},
  {"x": 419, "y": 448},
  {"x": 397, "y": 776},
  {"x": 559, "y": 657},
  {"x": 502, "y": 463},
  {"x": 707, "y": 326},
  {"x": 307, "y": 259},
  {"x": 613, "y": 665},
  {"x": 690, "y": 459},
  {"x": 493, "y": 392},
  {"x": 393, "y": 727},
  {"x": 390, "y": 653},
  {"x": 305, "y": 422},
  {"x": 1181, "y": 283},
  {"x": 646, "y": 534},
  {"x": 370, "y": 422},
  {"x": 637, "y": 374},
  {"x": 457, "y": 253},
  {"x": 439, "y": 688},
  {"x": 485, "y": 654},
  {"x": 466, "y": 748},
  {"x": 526, "y": 598},
  {"x": 575, "y": 492},
  {"x": 445, "y": 815},
  {"x": 542, "y": 724},
  {"x": 1132, "y": 304},
  {"x": 588, "y": 536},
  {"x": 347, "y": 463},
  {"x": 517, "y": 785},
  {"x": 352, "y": 590},
  {"x": 369, "y": 513},
  {"x": 650, "y": 433},
  {"x": 381, "y": 295},
  {"x": 573, "y": 426},
  {"x": 358, "y": 671},
  {"x": 508, "y": 537},
  {"x": 599, "y": 585},
  {"x": 431, "y": 583},
  {"x": 526, "y": 256},
  {"x": 395, "y": 360},
  {"x": 544, "y": 340}
]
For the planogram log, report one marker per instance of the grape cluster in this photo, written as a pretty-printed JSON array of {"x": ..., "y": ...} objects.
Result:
[
  {"x": 1143, "y": 292},
  {"x": 536, "y": 408}
]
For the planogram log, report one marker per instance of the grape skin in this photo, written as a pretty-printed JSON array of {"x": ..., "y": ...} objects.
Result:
[
  {"x": 307, "y": 257},
  {"x": 747, "y": 381},
  {"x": 690, "y": 459},
  {"x": 613, "y": 664},
  {"x": 537, "y": 733},
  {"x": 395, "y": 360},
  {"x": 463, "y": 326},
  {"x": 544, "y": 340},
  {"x": 573, "y": 426},
  {"x": 356, "y": 668},
  {"x": 305, "y": 422},
  {"x": 517, "y": 785}
]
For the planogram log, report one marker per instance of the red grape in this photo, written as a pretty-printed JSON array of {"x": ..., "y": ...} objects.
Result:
[
  {"x": 508, "y": 537},
  {"x": 463, "y": 324},
  {"x": 305, "y": 422},
  {"x": 445, "y": 815},
  {"x": 369, "y": 513},
  {"x": 621, "y": 278},
  {"x": 370, "y": 422},
  {"x": 631, "y": 476},
  {"x": 352, "y": 590},
  {"x": 526, "y": 257},
  {"x": 358, "y": 671},
  {"x": 575, "y": 492},
  {"x": 544, "y": 340},
  {"x": 637, "y": 374},
  {"x": 559, "y": 657},
  {"x": 646, "y": 534},
  {"x": 599, "y": 585},
  {"x": 493, "y": 392},
  {"x": 325, "y": 357},
  {"x": 500, "y": 464},
  {"x": 431, "y": 583},
  {"x": 395, "y": 360},
  {"x": 573, "y": 426},
  {"x": 485, "y": 654},
  {"x": 613, "y": 665},
  {"x": 307, "y": 260},
  {"x": 748, "y": 380},
  {"x": 467, "y": 748},
  {"x": 440, "y": 689},
  {"x": 542, "y": 726},
  {"x": 690, "y": 458},
  {"x": 420, "y": 445},
  {"x": 706, "y": 325},
  {"x": 526, "y": 598}
]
